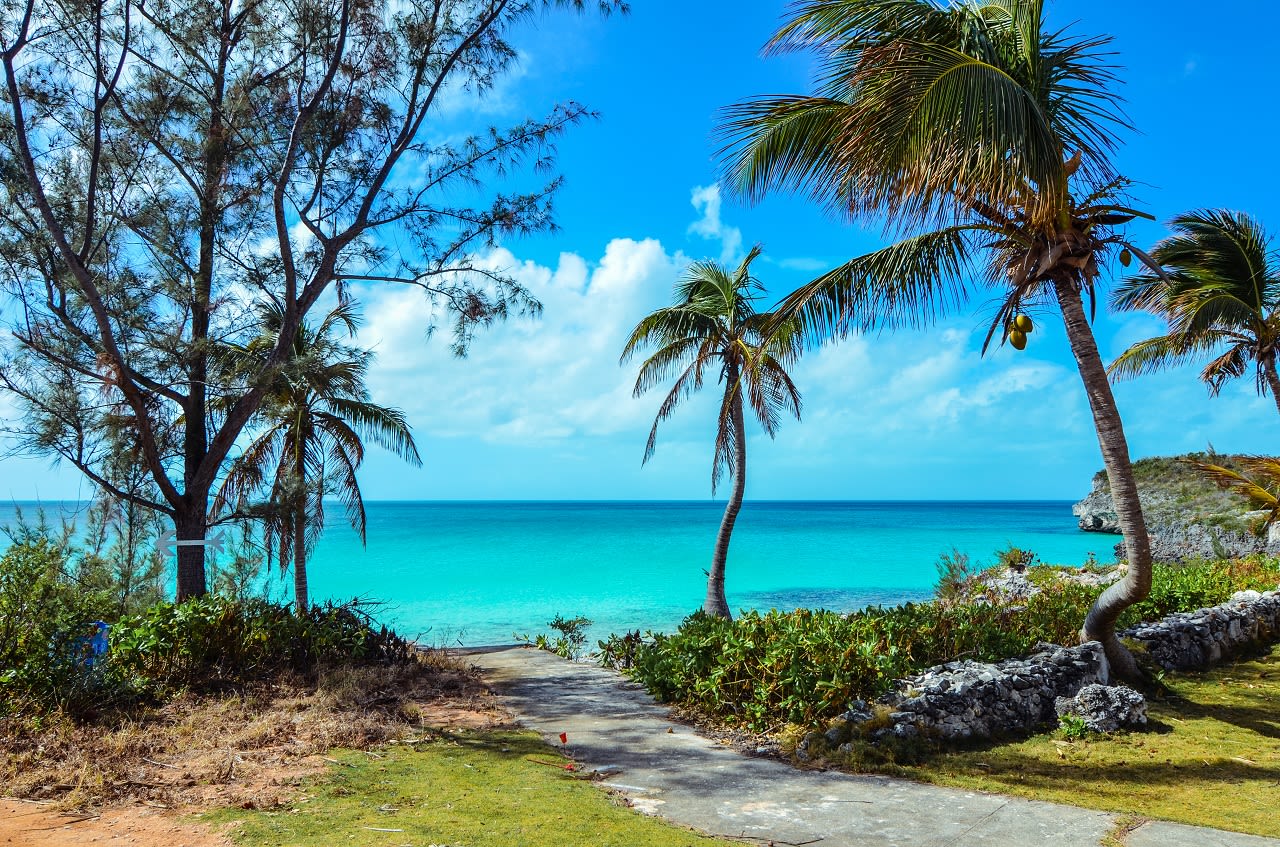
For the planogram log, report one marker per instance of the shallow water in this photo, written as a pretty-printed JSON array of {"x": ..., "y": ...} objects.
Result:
[{"x": 475, "y": 573}]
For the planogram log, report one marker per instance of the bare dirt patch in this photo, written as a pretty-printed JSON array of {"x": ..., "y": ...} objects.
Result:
[
  {"x": 138, "y": 780},
  {"x": 36, "y": 825}
]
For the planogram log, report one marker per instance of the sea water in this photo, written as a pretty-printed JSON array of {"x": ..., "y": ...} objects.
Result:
[{"x": 478, "y": 572}]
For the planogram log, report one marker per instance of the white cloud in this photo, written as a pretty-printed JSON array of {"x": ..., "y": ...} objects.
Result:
[
  {"x": 527, "y": 382},
  {"x": 706, "y": 199}
]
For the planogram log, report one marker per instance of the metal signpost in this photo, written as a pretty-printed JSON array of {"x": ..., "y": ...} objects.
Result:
[{"x": 167, "y": 543}]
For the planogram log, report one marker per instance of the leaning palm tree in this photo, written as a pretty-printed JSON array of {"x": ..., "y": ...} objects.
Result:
[
  {"x": 985, "y": 141},
  {"x": 1219, "y": 291},
  {"x": 713, "y": 327},
  {"x": 314, "y": 422}
]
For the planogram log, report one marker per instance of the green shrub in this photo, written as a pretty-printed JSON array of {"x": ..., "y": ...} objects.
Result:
[
  {"x": 570, "y": 641},
  {"x": 802, "y": 667},
  {"x": 1194, "y": 585},
  {"x": 46, "y": 623},
  {"x": 955, "y": 575},
  {"x": 214, "y": 640}
]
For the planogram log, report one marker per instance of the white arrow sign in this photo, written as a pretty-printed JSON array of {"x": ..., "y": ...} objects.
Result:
[{"x": 167, "y": 543}]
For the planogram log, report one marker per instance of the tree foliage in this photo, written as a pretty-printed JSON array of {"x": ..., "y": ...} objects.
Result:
[
  {"x": 983, "y": 140},
  {"x": 309, "y": 440},
  {"x": 1219, "y": 290},
  {"x": 171, "y": 167}
]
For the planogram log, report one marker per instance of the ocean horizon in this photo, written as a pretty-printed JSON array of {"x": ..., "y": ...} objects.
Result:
[{"x": 482, "y": 571}]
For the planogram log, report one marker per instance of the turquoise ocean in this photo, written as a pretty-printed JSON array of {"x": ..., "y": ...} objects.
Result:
[{"x": 477, "y": 572}]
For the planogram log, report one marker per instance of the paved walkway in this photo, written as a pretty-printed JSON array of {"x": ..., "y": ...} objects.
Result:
[{"x": 666, "y": 769}]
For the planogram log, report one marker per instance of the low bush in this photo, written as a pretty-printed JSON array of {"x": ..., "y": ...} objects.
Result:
[
  {"x": 1197, "y": 584},
  {"x": 767, "y": 669},
  {"x": 50, "y": 660},
  {"x": 46, "y": 632},
  {"x": 213, "y": 641}
]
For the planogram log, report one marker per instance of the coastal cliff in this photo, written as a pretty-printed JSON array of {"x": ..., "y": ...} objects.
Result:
[{"x": 1187, "y": 516}]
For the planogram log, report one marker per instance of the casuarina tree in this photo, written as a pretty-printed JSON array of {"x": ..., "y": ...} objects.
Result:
[{"x": 169, "y": 167}]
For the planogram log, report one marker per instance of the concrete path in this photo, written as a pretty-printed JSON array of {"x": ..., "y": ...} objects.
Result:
[{"x": 666, "y": 769}]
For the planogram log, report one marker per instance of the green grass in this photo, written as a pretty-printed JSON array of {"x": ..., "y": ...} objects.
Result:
[
  {"x": 478, "y": 789},
  {"x": 1212, "y": 757}
]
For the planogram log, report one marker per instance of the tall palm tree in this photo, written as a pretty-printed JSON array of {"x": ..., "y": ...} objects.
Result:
[
  {"x": 314, "y": 422},
  {"x": 985, "y": 141},
  {"x": 713, "y": 327},
  {"x": 1219, "y": 290}
]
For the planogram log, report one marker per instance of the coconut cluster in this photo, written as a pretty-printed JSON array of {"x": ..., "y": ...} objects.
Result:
[{"x": 1017, "y": 331}]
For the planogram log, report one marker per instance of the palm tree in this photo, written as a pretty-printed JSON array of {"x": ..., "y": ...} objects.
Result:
[
  {"x": 985, "y": 141},
  {"x": 1219, "y": 288},
  {"x": 314, "y": 420},
  {"x": 1257, "y": 480},
  {"x": 713, "y": 327}
]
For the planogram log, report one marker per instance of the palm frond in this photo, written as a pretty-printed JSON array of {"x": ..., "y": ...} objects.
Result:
[
  {"x": 910, "y": 283},
  {"x": 384, "y": 426},
  {"x": 1258, "y": 482},
  {"x": 1156, "y": 354},
  {"x": 685, "y": 386},
  {"x": 676, "y": 356}
]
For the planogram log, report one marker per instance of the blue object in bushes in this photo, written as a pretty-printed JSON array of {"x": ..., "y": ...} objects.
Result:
[{"x": 95, "y": 646}]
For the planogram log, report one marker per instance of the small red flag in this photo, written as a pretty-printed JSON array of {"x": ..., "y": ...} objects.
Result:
[{"x": 564, "y": 738}]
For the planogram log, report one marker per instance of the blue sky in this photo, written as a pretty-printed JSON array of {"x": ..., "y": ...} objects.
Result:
[{"x": 541, "y": 409}]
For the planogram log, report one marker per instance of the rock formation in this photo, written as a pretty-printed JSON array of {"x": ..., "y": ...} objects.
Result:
[{"x": 1187, "y": 516}]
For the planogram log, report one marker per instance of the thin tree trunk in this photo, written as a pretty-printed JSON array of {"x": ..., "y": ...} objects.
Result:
[
  {"x": 300, "y": 563},
  {"x": 300, "y": 531},
  {"x": 1100, "y": 623},
  {"x": 189, "y": 525},
  {"x": 1273, "y": 381},
  {"x": 716, "y": 604}
]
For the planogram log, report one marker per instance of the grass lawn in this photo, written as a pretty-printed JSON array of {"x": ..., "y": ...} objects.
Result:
[
  {"x": 1212, "y": 757},
  {"x": 473, "y": 788}
]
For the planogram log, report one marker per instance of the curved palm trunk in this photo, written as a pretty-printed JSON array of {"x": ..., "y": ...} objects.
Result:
[
  {"x": 1100, "y": 623},
  {"x": 1273, "y": 381},
  {"x": 716, "y": 604}
]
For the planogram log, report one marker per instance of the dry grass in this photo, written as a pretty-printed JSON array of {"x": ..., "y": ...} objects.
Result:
[{"x": 243, "y": 747}]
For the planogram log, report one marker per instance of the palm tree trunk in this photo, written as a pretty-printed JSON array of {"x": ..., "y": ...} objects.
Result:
[
  {"x": 716, "y": 604},
  {"x": 1273, "y": 381},
  {"x": 300, "y": 564},
  {"x": 1100, "y": 623},
  {"x": 300, "y": 534}
]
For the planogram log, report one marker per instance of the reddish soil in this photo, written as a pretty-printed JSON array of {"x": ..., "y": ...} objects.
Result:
[
  {"x": 142, "y": 782},
  {"x": 31, "y": 824}
]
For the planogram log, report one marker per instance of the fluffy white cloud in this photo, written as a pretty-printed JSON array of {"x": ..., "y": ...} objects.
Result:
[
  {"x": 706, "y": 199},
  {"x": 527, "y": 381}
]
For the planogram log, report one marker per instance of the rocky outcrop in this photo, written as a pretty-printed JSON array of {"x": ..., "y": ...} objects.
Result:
[
  {"x": 963, "y": 700},
  {"x": 1187, "y": 516},
  {"x": 973, "y": 700},
  {"x": 1204, "y": 638},
  {"x": 1010, "y": 584},
  {"x": 1096, "y": 513},
  {"x": 1105, "y": 708}
]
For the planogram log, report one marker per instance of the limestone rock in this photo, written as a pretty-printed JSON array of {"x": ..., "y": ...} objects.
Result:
[{"x": 1105, "y": 708}]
